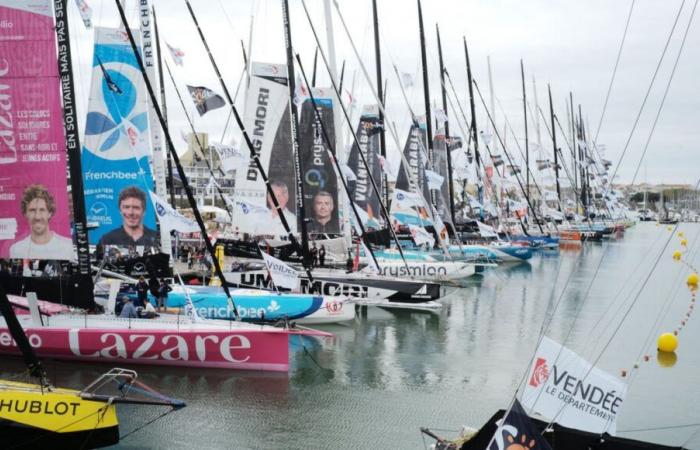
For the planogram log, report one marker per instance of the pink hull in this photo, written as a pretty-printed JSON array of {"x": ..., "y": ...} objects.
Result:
[{"x": 240, "y": 349}]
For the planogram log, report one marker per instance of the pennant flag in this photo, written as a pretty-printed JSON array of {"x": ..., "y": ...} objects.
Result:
[
  {"x": 517, "y": 432},
  {"x": 486, "y": 230},
  {"x": 407, "y": 79},
  {"x": 513, "y": 169},
  {"x": 231, "y": 158},
  {"x": 421, "y": 236},
  {"x": 567, "y": 388},
  {"x": 543, "y": 164},
  {"x": 282, "y": 275},
  {"x": 205, "y": 99},
  {"x": 85, "y": 12},
  {"x": 435, "y": 180},
  {"x": 176, "y": 54},
  {"x": 407, "y": 199},
  {"x": 497, "y": 160},
  {"x": 170, "y": 219}
]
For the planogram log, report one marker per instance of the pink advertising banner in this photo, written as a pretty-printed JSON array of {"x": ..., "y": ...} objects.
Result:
[{"x": 34, "y": 214}]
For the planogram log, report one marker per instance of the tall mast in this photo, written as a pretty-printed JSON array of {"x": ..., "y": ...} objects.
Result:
[
  {"x": 426, "y": 93},
  {"x": 574, "y": 159},
  {"x": 73, "y": 149},
  {"x": 294, "y": 117},
  {"x": 527, "y": 145},
  {"x": 472, "y": 107},
  {"x": 554, "y": 147},
  {"x": 447, "y": 128},
  {"x": 154, "y": 125},
  {"x": 380, "y": 95},
  {"x": 582, "y": 161},
  {"x": 164, "y": 109},
  {"x": 313, "y": 71}
]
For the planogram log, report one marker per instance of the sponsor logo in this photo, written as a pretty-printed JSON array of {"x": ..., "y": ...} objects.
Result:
[
  {"x": 334, "y": 307},
  {"x": 160, "y": 210},
  {"x": 314, "y": 177},
  {"x": 98, "y": 209},
  {"x": 540, "y": 373}
]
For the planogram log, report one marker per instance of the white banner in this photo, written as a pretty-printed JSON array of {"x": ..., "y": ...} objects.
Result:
[
  {"x": 421, "y": 236},
  {"x": 486, "y": 230},
  {"x": 232, "y": 158},
  {"x": 170, "y": 219},
  {"x": 565, "y": 387},
  {"x": 407, "y": 199},
  {"x": 282, "y": 275},
  {"x": 435, "y": 180}
]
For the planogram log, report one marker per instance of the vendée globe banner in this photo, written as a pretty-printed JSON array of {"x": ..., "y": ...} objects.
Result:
[
  {"x": 34, "y": 219},
  {"x": 116, "y": 145}
]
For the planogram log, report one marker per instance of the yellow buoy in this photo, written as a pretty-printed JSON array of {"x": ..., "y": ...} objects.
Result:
[
  {"x": 680, "y": 234},
  {"x": 666, "y": 359},
  {"x": 677, "y": 255},
  {"x": 693, "y": 279},
  {"x": 668, "y": 342},
  {"x": 684, "y": 242}
]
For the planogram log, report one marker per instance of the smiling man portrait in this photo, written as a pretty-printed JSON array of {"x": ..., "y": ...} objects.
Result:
[{"x": 132, "y": 207}]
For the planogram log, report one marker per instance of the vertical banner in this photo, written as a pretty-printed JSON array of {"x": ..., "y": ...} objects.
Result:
[
  {"x": 116, "y": 147},
  {"x": 412, "y": 179},
  {"x": 361, "y": 190},
  {"x": 34, "y": 219},
  {"x": 320, "y": 181},
  {"x": 440, "y": 166},
  {"x": 266, "y": 118}
]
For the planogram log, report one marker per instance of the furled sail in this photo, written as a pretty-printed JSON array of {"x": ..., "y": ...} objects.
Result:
[{"x": 361, "y": 190}]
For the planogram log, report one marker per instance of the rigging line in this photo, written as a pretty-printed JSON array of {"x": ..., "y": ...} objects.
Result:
[
  {"x": 669, "y": 427},
  {"x": 199, "y": 143},
  {"x": 619, "y": 326},
  {"x": 668, "y": 86},
  {"x": 614, "y": 73},
  {"x": 646, "y": 96}
]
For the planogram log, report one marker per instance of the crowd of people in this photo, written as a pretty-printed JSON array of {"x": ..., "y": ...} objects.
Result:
[{"x": 142, "y": 307}]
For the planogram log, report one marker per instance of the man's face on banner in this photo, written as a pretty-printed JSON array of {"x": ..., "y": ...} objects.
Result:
[
  {"x": 282, "y": 195},
  {"x": 323, "y": 207},
  {"x": 132, "y": 212},
  {"x": 38, "y": 216}
]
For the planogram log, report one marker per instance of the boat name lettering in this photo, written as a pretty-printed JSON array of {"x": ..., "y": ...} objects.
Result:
[
  {"x": 39, "y": 407},
  {"x": 587, "y": 392},
  {"x": 258, "y": 131},
  {"x": 7, "y": 133},
  {"x": 399, "y": 271},
  {"x": 7, "y": 341}
]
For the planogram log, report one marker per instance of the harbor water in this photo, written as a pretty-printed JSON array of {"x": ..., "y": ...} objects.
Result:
[{"x": 392, "y": 371}]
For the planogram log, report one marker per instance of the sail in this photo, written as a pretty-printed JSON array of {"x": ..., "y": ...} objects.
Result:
[
  {"x": 266, "y": 118},
  {"x": 34, "y": 218},
  {"x": 115, "y": 156},
  {"x": 320, "y": 180},
  {"x": 408, "y": 176},
  {"x": 361, "y": 190}
]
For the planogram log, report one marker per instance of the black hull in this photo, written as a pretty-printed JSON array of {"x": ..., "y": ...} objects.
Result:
[
  {"x": 19, "y": 436},
  {"x": 563, "y": 438},
  {"x": 406, "y": 291}
]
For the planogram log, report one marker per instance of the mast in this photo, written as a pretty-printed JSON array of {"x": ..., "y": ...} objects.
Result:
[
  {"x": 582, "y": 162},
  {"x": 164, "y": 108},
  {"x": 447, "y": 129},
  {"x": 527, "y": 145},
  {"x": 472, "y": 107},
  {"x": 294, "y": 117},
  {"x": 73, "y": 148},
  {"x": 574, "y": 159},
  {"x": 313, "y": 71},
  {"x": 426, "y": 95},
  {"x": 380, "y": 95},
  {"x": 153, "y": 126},
  {"x": 554, "y": 146}
]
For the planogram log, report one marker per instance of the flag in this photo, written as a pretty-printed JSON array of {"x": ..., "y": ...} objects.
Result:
[
  {"x": 251, "y": 209},
  {"x": 366, "y": 219},
  {"x": 435, "y": 180},
  {"x": 347, "y": 172},
  {"x": 282, "y": 275},
  {"x": 205, "y": 99},
  {"x": 486, "y": 230},
  {"x": 440, "y": 115},
  {"x": 516, "y": 431},
  {"x": 407, "y": 79},
  {"x": 421, "y": 236},
  {"x": 407, "y": 199},
  {"x": 170, "y": 219},
  {"x": 176, "y": 54},
  {"x": 85, "y": 12},
  {"x": 387, "y": 167},
  {"x": 512, "y": 169},
  {"x": 231, "y": 158},
  {"x": 566, "y": 388},
  {"x": 497, "y": 160},
  {"x": 543, "y": 164}
]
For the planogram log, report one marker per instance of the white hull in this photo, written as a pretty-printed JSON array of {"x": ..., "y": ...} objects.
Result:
[{"x": 436, "y": 271}]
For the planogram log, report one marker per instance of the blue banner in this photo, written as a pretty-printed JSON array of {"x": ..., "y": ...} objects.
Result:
[{"x": 116, "y": 147}]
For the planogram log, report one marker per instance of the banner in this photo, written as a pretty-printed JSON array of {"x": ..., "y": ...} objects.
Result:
[
  {"x": 170, "y": 219},
  {"x": 115, "y": 157},
  {"x": 205, "y": 99},
  {"x": 565, "y": 387},
  {"x": 85, "y": 12},
  {"x": 266, "y": 117},
  {"x": 34, "y": 219},
  {"x": 282, "y": 275},
  {"x": 421, "y": 236},
  {"x": 177, "y": 55},
  {"x": 231, "y": 158},
  {"x": 516, "y": 431},
  {"x": 319, "y": 178},
  {"x": 368, "y": 134},
  {"x": 486, "y": 230}
]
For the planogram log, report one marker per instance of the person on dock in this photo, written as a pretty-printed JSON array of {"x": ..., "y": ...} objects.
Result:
[
  {"x": 322, "y": 256},
  {"x": 163, "y": 295},
  {"x": 142, "y": 291},
  {"x": 148, "y": 311},
  {"x": 314, "y": 255}
]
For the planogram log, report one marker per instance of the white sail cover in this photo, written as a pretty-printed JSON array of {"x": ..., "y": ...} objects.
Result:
[{"x": 565, "y": 387}]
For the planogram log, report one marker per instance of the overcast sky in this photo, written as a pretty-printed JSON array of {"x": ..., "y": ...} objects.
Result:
[{"x": 572, "y": 45}]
